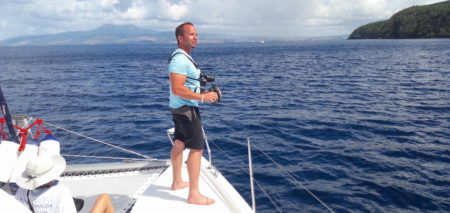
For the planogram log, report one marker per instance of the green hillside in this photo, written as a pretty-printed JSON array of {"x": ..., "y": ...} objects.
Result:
[{"x": 430, "y": 21}]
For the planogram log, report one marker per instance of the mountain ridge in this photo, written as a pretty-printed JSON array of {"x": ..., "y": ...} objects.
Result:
[
  {"x": 131, "y": 34},
  {"x": 105, "y": 34},
  {"x": 428, "y": 21}
]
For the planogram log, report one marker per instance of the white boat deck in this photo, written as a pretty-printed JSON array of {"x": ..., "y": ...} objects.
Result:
[
  {"x": 123, "y": 188},
  {"x": 160, "y": 197},
  {"x": 149, "y": 189}
]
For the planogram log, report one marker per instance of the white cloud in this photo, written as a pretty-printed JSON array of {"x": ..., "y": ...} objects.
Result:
[
  {"x": 251, "y": 17},
  {"x": 176, "y": 11},
  {"x": 108, "y": 3},
  {"x": 135, "y": 12}
]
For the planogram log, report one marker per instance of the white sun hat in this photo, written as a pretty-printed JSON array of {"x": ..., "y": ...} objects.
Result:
[{"x": 41, "y": 170}]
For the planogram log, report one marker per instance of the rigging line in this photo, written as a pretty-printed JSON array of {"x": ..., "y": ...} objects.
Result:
[
  {"x": 267, "y": 195},
  {"x": 259, "y": 185},
  {"x": 99, "y": 141},
  {"x": 118, "y": 116},
  {"x": 105, "y": 157},
  {"x": 295, "y": 180}
]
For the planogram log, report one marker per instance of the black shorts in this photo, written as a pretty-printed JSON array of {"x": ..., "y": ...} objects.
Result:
[{"x": 188, "y": 127}]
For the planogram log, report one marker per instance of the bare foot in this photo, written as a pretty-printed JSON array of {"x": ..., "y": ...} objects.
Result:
[
  {"x": 179, "y": 185},
  {"x": 200, "y": 200}
]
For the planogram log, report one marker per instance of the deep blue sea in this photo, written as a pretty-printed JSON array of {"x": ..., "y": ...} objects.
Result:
[{"x": 364, "y": 125}]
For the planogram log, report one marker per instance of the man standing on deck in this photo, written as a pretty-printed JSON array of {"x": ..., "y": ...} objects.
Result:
[{"x": 185, "y": 93}]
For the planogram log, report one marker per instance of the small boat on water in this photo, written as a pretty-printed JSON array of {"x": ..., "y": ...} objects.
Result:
[{"x": 134, "y": 185}]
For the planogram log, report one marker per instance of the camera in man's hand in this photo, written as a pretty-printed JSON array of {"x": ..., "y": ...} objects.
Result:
[
  {"x": 204, "y": 78},
  {"x": 217, "y": 90}
]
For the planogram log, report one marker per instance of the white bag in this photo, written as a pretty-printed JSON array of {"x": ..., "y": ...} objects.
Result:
[{"x": 8, "y": 159}]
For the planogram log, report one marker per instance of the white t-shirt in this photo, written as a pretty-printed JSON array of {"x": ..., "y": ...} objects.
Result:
[{"x": 55, "y": 199}]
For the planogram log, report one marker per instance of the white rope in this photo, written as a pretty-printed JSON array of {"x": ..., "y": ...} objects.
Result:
[
  {"x": 100, "y": 117},
  {"x": 295, "y": 180},
  {"x": 259, "y": 185},
  {"x": 99, "y": 141}
]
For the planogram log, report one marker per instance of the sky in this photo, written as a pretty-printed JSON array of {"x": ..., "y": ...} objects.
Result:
[{"x": 276, "y": 19}]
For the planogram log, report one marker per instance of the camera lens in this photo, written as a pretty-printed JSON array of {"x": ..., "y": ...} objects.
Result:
[
  {"x": 206, "y": 78},
  {"x": 210, "y": 78}
]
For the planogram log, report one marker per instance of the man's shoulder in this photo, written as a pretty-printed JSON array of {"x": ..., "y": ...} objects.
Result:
[
  {"x": 180, "y": 63},
  {"x": 179, "y": 56},
  {"x": 59, "y": 190}
]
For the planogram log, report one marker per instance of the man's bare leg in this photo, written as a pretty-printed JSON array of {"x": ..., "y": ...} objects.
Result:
[
  {"x": 176, "y": 157},
  {"x": 193, "y": 164}
]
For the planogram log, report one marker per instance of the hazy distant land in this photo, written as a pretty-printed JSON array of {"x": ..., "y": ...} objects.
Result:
[
  {"x": 131, "y": 34},
  {"x": 105, "y": 34}
]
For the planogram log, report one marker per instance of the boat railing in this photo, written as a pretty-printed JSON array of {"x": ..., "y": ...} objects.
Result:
[
  {"x": 253, "y": 179},
  {"x": 260, "y": 186},
  {"x": 250, "y": 169},
  {"x": 21, "y": 121},
  {"x": 207, "y": 148},
  {"x": 100, "y": 141}
]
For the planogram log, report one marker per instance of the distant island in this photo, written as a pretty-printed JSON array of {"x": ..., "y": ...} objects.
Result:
[
  {"x": 429, "y": 21},
  {"x": 105, "y": 34},
  {"x": 116, "y": 34}
]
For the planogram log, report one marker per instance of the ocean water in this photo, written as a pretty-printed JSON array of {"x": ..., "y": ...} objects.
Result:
[{"x": 364, "y": 125}]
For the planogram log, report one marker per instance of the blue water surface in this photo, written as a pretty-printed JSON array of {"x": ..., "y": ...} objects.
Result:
[{"x": 364, "y": 125}]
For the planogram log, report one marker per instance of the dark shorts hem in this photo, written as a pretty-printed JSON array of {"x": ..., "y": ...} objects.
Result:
[{"x": 188, "y": 127}]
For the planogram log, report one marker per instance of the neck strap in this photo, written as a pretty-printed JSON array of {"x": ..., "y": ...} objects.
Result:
[
  {"x": 29, "y": 202},
  {"x": 187, "y": 56}
]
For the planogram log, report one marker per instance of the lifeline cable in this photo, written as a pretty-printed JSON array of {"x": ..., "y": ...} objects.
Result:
[
  {"x": 295, "y": 180},
  {"x": 99, "y": 141},
  {"x": 259, "y": 185}
]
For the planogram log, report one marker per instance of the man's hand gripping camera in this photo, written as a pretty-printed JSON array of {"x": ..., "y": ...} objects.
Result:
[
  {"x": 217, "y": 90},
  {"x": 204, "y": 78}
]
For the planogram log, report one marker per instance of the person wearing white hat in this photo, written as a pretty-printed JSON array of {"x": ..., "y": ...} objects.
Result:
[{"x": 39, "y": 190}]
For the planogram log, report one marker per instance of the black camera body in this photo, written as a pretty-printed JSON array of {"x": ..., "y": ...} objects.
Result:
[{"x": 204, "y": 78}]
